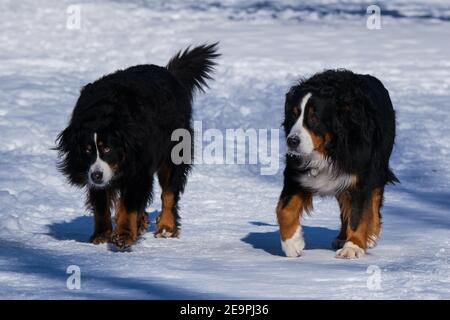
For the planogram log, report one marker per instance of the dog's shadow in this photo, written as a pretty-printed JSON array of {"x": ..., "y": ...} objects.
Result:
[
  {"x": 315, "y": 238},
  {"x": 80, "y": 229}
]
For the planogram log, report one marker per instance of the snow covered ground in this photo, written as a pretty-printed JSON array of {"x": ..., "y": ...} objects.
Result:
[{"x": 229, "y": 246}]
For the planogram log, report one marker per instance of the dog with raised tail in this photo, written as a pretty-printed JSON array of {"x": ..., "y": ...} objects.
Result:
[{"x": 119, "y": 138}]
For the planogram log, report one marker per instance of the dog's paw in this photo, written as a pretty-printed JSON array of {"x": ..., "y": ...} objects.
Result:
[
  {"x": 167, "y": 232},
  {"x": 337, "y": 244},
  {"x": 350, "y": 251},
  {"x": 294, "y": 246},
  {"x": 123, "y": 241},
  {"x": 102, "y": 237}
]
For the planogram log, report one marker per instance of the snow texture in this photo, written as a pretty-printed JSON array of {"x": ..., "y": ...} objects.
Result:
[{"x": 229, "y": 246}]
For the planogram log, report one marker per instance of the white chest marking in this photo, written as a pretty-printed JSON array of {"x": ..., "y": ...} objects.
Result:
[{"x": 322, "y": 178}]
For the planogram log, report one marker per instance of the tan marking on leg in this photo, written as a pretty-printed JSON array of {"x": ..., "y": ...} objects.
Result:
[
  {"x": 126, "y": 231},
  {"x": 369, "y": 227},
  {"x": 165, "y": 223},
  {"x": 367, "y": 231},
  {"x": 289, "y": 214},
  {"x": 359, "y": 236},
  {"x": 375, "y": 226}
]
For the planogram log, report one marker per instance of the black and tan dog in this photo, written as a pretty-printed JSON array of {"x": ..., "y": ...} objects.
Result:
[
  {"x": 119, "y": 136},
  {"x": 340, "y": 130}
]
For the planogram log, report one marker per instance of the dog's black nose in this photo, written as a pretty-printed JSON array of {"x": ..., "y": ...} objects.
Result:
[
  {"x": 293, "y": 141},
  {"x": 97, "y": 176}
]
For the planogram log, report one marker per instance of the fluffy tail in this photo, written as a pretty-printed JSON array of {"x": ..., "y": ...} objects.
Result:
[
  {"x": 192, "y": 67},
  {"x": 391, "y": 178}
]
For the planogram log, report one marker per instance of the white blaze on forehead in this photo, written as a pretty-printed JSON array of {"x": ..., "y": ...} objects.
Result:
[
  {"x": 95, "y": 142},
  {"x": 100, "y": 165},
  {"x": 306, "y": 143}
]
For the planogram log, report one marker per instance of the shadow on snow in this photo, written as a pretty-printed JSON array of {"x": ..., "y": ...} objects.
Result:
[
  {"x": 80, "y": 228},
  {"x": 315, "y": 238}
]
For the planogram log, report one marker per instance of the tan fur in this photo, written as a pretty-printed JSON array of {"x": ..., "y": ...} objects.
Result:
[
  {"x": 319, "y": 142},
  {"x": 165, "y": 223},
  {"x": 369, "y": 227},
  {"x": 165, "y": 220},
  {"x": 288, "y": 214},
  {"x": 377, "y": 197},
  {"x": 126, "y": 231}
]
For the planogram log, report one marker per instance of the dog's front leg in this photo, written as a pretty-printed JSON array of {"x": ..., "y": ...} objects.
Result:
[
  {"x": 100, "y": 203},
  {"x": 131, "y": 220},
  {"x": 289, "y": 211},
  {"x": 126, "y": 231},
  {"x": 361, "y": 226}
]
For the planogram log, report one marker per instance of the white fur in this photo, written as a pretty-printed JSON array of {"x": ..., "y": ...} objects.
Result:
[
  {"x": 322, "y": 178},
  {"x": 350, "y": 251},
  {"x": 294, "y": 246},
  {"x": 306, "y": 145},
  {"x": 102, "y": 166},
  {"x": 164, "y": 234}
]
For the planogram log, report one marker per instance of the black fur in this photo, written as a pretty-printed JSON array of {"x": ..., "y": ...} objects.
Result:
[
  {"x": 135, "y": 111},
  {"x": 356, "y": 112}
]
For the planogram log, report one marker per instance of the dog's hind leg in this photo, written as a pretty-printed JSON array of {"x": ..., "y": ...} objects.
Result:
[
  {"x": 345, "y": 207},
  {"x": 172, "y": 179},
  {"x": 375, "y": 225},
  {"x": 362, "y": 209}
]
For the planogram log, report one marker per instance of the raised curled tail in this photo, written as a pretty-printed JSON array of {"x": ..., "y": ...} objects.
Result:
[
  {"x": 192, "y": 67},
  {"x": 391, "y": 178}
]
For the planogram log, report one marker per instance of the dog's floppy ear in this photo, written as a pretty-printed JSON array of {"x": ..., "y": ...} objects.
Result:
[
  {"x": 66, "y": 140},
  {"x": 68, "y": 147}
]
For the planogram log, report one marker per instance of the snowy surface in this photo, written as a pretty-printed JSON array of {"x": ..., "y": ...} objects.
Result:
[{"x": 229, "y": 246}]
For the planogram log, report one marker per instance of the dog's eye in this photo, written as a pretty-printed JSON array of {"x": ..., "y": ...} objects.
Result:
[
  {"x": 313, "y": 118},
  {"x": 88, "y": 149},
  {"x": 106, "y": 150}
]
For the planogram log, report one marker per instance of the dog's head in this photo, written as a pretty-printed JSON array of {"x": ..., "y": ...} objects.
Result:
[
  {"x": 101, "y": 144},
  {"x": 323, "y": 128},
  {"x": 94, "y": 147},
  {"x": 91, "y": 156},
  {"x": 308, "y": 127}
]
